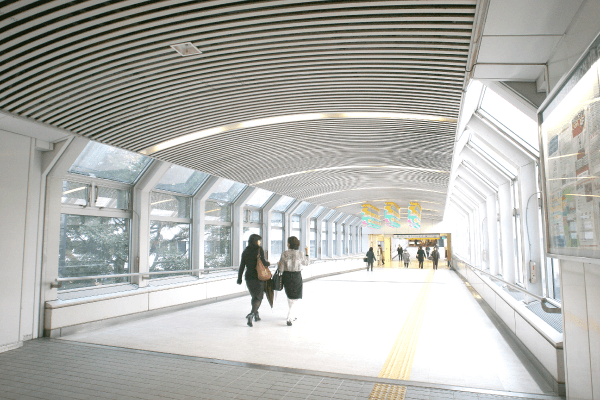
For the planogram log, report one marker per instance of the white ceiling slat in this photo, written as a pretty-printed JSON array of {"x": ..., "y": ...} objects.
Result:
[{"x": 105, "y": 70}]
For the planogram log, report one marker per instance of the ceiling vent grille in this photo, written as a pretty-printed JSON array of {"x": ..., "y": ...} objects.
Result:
[{"x": 186, "y": 49}]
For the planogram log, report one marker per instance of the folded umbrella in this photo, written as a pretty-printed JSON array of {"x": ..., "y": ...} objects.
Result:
[{"x": 269, "y": 292}]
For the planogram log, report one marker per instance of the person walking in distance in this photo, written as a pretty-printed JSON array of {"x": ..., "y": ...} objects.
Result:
[
  {"x": 406, "y": 258},
  {"x": 290, "y": 265},
  {"x": 400, "y": 251},
  {"x": 435, "y": 256},
  {"x": 380, "y": 260},
  {"x": 420, "y": 256},
  {"x": 427, "y": 249},
  {"x": 255, "y": 286},
  {"x": 370, "y": 258}
]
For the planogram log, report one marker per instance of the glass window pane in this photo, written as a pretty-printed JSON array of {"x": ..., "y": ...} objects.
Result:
[
  {"x": 276, "y": 243},
  {"x": 93, "y": 246},
  {"x": 217, "y": 246},
  {"x": 313, "y": 243},
  {"x": 259, "y": 198},
  {"x": 167, "y": 205},
  {"x": 101, "y": 161},
  {"x": 74, "y": 193},
  {"x": 338, "y": 218},
  {"x": 329, "y": 214},
  {"x": 277, "y": 219},
  {"x": 227, "y": 191},
  {"x": 217, "y": 211},
  {"x": 317, "y": 211},
  {"x": 182, "y": 180},
  {"x": 169, "y": 247},
  {"x": 324, "y": 232},
  {"x": 303, "y": 206},
  {"x": 295, "y": 222},
  {"x": 283, "y": 204},
  {"x": 250, "y": 230},
  {"x": 112, "y": 198},
  {"x": 252, "y": 216},
  {"x": 510, "y": 117}
]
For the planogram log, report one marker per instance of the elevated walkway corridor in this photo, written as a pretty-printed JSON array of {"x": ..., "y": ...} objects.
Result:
[{"x": 393, "y": 333}]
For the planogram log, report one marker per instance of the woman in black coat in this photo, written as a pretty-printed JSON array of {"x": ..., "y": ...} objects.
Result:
[
  {"x": 255, "y": 286},
  {"x": 370, "y": 258},
  {"x": 421, "y": 256}
]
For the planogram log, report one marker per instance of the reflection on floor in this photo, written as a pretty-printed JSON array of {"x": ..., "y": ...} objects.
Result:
[{"x": 421, "y": 325}]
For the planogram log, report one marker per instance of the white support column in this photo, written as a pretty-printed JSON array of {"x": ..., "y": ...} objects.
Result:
[
  {"x": 198, "y": 224},
  {"x": 266, "y": 223},
  {"x": 305, "y": 226},
  {"x": 237, "y": 232},
  {"x": 319, "y": 238},
  {"x": 530, "y": 227},
  {"x": 338, "y": 245},
  {"x": 506, "y": 230},
  {"x": 330, "y": 233},
  {"x": 355, "y": 236},
  {"x": 287, "y": 226},
  {"x": 56, "y": 163},
  {"x": 141, "y": 225}
]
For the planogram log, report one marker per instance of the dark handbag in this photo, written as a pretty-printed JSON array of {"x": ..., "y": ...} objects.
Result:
[
  {"x": 277, "y": 281},
  {"x": 264, "y": 274},
  {"x": 365, "y": 259}
]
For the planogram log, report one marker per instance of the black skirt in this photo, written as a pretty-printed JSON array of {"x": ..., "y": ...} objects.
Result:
[
  {"x": 292, "y": 283},
  {"x": 256, "y": 288}
]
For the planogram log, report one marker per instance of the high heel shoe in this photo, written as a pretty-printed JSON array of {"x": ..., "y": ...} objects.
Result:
[
  {"x": 256, "y": 316},
  {"x": 249, "y": 316}
]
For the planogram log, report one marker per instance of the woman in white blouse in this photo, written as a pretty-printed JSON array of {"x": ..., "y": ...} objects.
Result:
[{"x": 290, "y": 265}]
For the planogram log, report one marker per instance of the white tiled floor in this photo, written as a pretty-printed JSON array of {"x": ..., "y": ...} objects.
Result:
[{"x": 347, "y": 324}]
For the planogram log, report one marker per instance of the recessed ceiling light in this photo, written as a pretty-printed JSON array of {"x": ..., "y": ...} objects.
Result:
[{"x": 186, "y": 49}]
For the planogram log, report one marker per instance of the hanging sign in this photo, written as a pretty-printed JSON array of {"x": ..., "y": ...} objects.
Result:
[
  {"x": 392, "y": 214},
  {"x": 414, "y": 215},
  {"x": 370, "y": 216}
]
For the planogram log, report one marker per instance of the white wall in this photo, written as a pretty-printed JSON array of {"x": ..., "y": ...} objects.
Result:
[
  {"x": 580, "y": 286},
  {"x": 19, "y": 163}
]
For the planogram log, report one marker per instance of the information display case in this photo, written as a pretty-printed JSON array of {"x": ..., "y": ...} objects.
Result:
[{"x": 570, "y": 139}]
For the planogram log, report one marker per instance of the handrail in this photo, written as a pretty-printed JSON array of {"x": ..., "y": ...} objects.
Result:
[
  {"x": 145, "y": 275},
  {"x": 556, "y": 307}
]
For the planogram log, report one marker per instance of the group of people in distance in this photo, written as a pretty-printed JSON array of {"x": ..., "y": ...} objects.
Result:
[
  {"x": 290, "y": 265},
  {"x": 403, "y": 255}
]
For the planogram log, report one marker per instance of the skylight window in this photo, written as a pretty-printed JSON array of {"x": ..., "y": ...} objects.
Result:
[
  {"x": 283, "y": 204},
  {"x": 182, "y": 180},
  {"x": 227, "y": 191},
  {"x": 510, "y": 118},
  {"x": 318, "y": 211},
  {"x": 303, "y": 206},
  {"x": 329, "y": 214},
  {"x": 106, "y": 162},
  {"x": 259, "y": 198}
]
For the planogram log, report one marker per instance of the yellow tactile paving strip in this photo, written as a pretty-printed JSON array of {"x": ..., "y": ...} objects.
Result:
[{"x": 400, "y": 360}]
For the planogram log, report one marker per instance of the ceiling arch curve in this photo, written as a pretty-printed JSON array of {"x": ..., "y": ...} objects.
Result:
[{"x": 106, "y": 70}]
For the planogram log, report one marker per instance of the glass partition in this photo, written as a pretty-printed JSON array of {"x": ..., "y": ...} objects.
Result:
[
  {"x": 101, "y": 161},
  {"x": 168, "y": 205},
  {"x": 217, "y": 246},
  {"x": 90, "y": 246},
  {"x": 217, "y": 211},
  {"x": 169, "y": 247}
]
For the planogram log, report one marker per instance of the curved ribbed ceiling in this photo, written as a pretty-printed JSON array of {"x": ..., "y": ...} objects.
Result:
[{"x": 105, "y": 70}]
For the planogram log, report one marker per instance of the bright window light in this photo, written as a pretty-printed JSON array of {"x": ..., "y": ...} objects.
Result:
[
  {"x": 259, "y": 198},
  {"x": 181, "y": 180},
  {"x": 511, "y": 118}
]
